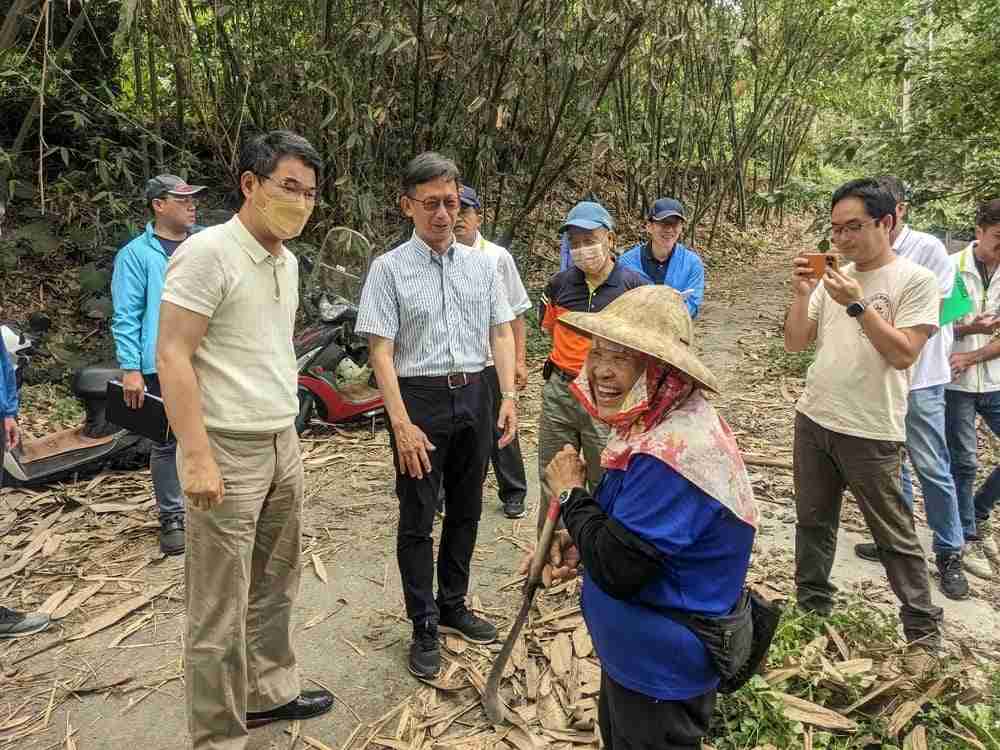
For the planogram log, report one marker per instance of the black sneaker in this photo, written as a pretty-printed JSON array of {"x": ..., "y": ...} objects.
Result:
[
  {"x": 15, "y": 624},
  {"x": 425, "y": 652},
  {"x": 514, "y": 508},
  {"x": 953, "y": 583},
  {"x": 172, "y": 536},
  {"x": 463, "y": 623},
  {"x": 868, "y": 551}
]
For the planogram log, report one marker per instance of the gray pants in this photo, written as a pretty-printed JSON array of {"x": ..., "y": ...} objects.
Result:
[
  {"x": 826, "y": 463},
  {"x": 163, "y": 467},
  {"x": 565, "y": 421}
]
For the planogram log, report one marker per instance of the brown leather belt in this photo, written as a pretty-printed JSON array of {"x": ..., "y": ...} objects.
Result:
[{"x": 451, "y": 381}]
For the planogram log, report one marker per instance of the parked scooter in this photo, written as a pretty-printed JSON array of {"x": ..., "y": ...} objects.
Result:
[
  {"x": 77, "y": 452},
  {"x": 335, "y": 383}
]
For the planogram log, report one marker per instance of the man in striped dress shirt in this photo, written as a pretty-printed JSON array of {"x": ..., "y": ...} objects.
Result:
[{"x": 431, "y": 308}]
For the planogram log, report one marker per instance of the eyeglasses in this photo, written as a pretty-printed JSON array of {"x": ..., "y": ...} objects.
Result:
[
  {"x": 851, "y": 228},
  {"x": 180, "y": 201},
  {"x": 431, "y": 205},
  {"x": 292, "y": 188}
]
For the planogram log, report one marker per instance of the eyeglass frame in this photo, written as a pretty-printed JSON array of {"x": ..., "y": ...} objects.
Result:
[
  {"x": 438, "y": 203},
  {"x": 293, "y": 191},
  {"x": 849, "y": 230},
  {"x": 181, "y": 200}
]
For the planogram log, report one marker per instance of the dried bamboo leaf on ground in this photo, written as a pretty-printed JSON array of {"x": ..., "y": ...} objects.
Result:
[
  {"x": 319, "y": 567},
  {"x": 52, "y": 603},
  {"x": 917, "y": 739},
  {"x": 908, "y": 709},
  {"x": 122, "y": 610},
  {"x": 583, "y": 646},
  {"x": 799, "y": 709},
  {"x": 561, "y": 654},
  {"x": 81, "y": 596}
]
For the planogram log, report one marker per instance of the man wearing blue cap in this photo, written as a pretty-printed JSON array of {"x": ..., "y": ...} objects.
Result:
[
  {"x": 663, "y": 259},
  {"x": 508, "y": 464},
  {"x": 588, "y": 285},
  {"x": 136, "y": 288}
]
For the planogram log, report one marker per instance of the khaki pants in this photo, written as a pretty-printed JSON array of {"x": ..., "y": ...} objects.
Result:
[
  {"x": 242, "y": 564},
  {"x": 826, "y": 463},
  {"x": 564, "y": 421}
]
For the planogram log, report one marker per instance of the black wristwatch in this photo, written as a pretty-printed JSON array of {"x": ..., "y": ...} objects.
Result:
[
  {"x": 566, "y": 495},
  {"x": 855, "y": 309}
]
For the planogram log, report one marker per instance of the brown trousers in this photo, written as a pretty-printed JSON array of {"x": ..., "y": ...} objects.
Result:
[
  {"x": 826, "y": 463},
  {"x": 242, "y": 565}
]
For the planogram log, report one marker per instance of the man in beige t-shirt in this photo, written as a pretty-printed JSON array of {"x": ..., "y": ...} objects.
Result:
[
  {"x": 228, "y": 375},
  {"x": 869, "y": 322}
]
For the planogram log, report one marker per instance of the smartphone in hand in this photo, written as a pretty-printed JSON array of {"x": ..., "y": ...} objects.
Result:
[{"x": 819, "y": 262}]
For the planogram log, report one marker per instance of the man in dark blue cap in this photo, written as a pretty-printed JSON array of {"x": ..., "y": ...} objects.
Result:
[
  {"x": 508, "y": 464},
  {"x": 588, "y": 285},
  {"x": 663, "y": 259}
]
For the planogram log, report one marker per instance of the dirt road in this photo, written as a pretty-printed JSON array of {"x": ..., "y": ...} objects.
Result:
[{"x": 352, "y": 633}]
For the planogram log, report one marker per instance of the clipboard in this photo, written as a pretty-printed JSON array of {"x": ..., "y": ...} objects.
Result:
[
  {"x": 958, "y": 303},
  {"x": 149, "y": 420}
]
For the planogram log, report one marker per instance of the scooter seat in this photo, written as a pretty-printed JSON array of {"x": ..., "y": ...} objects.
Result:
[{"x": 91, "y": 382}]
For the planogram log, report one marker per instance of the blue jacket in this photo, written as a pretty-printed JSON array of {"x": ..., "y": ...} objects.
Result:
[
  {"x": 685, "y": 271},
  {"x": 705, "y": 552},
  {"x": 8, "y": 385},
  {"x": 136, "y": 288}
]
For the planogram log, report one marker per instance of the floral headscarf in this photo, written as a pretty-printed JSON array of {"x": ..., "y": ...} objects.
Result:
[{"x": 666, "y": 417}]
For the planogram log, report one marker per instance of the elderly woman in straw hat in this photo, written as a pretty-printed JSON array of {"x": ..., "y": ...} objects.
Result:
[{"x": 670, "y": 526}]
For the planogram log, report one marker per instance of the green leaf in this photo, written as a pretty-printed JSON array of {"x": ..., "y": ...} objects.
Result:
[{"x": 93, "y": 280}]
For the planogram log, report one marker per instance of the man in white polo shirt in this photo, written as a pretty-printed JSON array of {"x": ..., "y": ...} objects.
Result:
[
  {"x": 508, "y": 464},
  {"x": 228, "y": 375},
  {"x": 925, "y": 415}
]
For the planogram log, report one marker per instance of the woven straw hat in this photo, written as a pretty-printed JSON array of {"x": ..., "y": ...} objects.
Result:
[{"x": 651, "y": 319}]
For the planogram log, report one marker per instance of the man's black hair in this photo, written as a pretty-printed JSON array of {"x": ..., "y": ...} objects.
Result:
[
  {"x": 988, "y": 213},
  {"x": 261, "y": 154},
  {"x": 878, "y": 201}
]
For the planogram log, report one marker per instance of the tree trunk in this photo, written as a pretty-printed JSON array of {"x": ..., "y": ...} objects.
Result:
[
  {"x": 154, "y": 98},
  {"x": 140, "y": 98}
]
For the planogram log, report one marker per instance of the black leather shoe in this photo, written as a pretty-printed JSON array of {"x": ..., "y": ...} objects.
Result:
[
  {"x": 172, "y": 536},
  {"x": 464, "y": 624},
  {"x": 868, "y": 551},
  {"x": 309, "y": 704},
  {"x": 953, "y": 582}
]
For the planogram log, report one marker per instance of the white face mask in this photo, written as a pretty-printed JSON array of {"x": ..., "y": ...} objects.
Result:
[{"x": 589, "y": 258}]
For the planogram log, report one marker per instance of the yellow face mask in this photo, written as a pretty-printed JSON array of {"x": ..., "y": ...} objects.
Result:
[{"x": 285, "y": 218}]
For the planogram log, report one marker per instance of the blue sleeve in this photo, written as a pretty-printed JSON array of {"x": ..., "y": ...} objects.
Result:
[
  {"x": 8, "y": 385},
  {"x": 662, "y": 507},
  {"x": 128, "y": 295},
  {"x": 695, "y": 281}
]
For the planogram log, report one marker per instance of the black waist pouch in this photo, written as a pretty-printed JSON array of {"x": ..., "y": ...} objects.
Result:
[
  {"x": 547, "y": 369},
  {"x": 737, "y": 642}
]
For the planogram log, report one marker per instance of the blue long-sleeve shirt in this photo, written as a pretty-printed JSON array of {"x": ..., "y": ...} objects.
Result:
[
  {"x": 705, "y": 553},
  {"x": 683, "y": 271},
  {"x": 8, "y": 385},
  {"x": 136, "y": 288}
]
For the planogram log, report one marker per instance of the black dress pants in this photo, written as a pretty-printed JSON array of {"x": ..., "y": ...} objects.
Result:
[
  {"x": 458, "y": 423},
  {"x": 633, "y": 721},
  {"x": 508, "y": 464}
]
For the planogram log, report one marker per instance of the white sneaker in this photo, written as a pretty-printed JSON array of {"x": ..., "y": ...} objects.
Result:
[{"x": 976, "y": 562}]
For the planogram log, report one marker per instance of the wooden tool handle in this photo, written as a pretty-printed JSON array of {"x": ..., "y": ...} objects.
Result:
[{"x": 544, "y": 542}]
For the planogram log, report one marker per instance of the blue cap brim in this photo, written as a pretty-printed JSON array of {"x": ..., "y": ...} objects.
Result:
[{"x": 582, "y": 224}]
